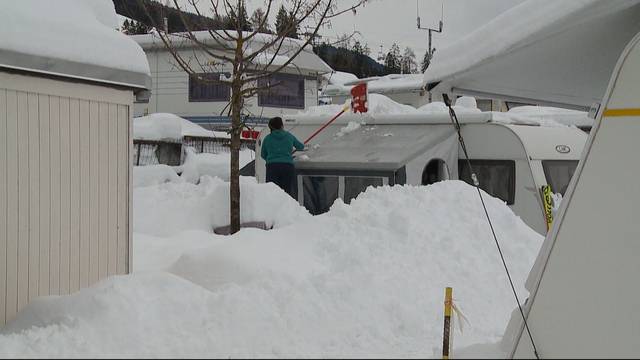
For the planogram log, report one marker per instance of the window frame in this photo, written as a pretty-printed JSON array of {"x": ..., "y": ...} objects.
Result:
[
  {"x": 511, "y": 191},
  {"x": 397, "y": 177},
  {"x": 193, "y": 81}
]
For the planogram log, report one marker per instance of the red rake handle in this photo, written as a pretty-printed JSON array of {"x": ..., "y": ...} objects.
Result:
[{"x": 324, "y": 126}]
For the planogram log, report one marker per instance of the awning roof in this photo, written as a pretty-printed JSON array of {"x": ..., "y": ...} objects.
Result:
[
  {"x": 510, "y": 57},
  {"x": 70, "y": 38},
  {"x": 369, "y": 147}
]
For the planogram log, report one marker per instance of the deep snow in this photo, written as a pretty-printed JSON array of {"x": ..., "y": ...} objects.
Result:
[{"x": 364, "y": 280}]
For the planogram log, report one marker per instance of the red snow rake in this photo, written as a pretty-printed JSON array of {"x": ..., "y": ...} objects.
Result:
[{"x": 358, "y": 105}]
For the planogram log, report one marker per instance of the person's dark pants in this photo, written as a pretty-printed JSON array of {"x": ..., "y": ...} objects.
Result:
[{"x": 283, "y": 175}]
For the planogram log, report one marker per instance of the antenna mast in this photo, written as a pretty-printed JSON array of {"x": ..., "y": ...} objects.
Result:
[{"x": 431, "y": 50}]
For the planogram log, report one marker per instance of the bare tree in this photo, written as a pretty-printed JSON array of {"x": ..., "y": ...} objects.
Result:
[{"x": 251, "y": 57}]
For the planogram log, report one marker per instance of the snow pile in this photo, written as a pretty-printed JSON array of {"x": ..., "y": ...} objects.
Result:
[
  {"x": 365, "y": 279},
  {"x": 396, "y": 82},
  {"x": 172, "y": 208},
  {"x": 165, "y": 126},
  {"x": 153, "y": 175},
  {"x": 83, "y": 31},
  {"x": 351, "y": 127},
  {"x": 551, "y": 116},
  {"x": 197, "y": 165},
  {"x": 380, "y": 104},
  {"x": 463, "y": 105},
  {"x": 339, "y": 77}
]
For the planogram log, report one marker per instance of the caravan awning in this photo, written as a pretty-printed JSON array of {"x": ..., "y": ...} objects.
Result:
[
  {"x": 371, "y": 147},
  {"x": 510, "y": 57}
]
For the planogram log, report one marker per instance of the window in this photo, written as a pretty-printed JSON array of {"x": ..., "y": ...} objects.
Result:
[
  {"x": 496, "y": 177},
  {"x": 559, "y": 173},
  {"x": 319, "y": 193},
  {"x": 208, "y": 90},
  {"x": 285, "y": 90},
  {"x": 485, "y": 104},
  {"x": 354, "y": 186},
  {"x": 435, "y": 171}
]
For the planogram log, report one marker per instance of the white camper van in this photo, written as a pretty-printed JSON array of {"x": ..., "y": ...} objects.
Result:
[{"x": 512, "y": 161}]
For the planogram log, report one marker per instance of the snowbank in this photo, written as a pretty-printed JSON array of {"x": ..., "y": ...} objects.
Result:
[
  {"x": 165, "y": 126},
  {"x": 82, "y": 31},
  {"x": 365, "y": 279},
  {"x": 215, "y": 165},
  {"x": 172, "y": 208},
  {"x": 153, "y": 175}
]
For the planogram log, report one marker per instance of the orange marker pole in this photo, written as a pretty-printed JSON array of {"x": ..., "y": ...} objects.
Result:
[{"x": 446, "y": 337}]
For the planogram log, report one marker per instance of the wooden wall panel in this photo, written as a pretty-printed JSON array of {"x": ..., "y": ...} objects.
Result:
[
  {"x": 113, "y": 190},
  {"x": 34, "y": 194},
  {"x": 3, "y": 204},
  {"x": 65, "y": 177},
  {"x": 103, "y": 189},
  {"x": 54, "y": 195},
  {"x": 75, "y": 203},
  {"x": 13, "y": 183},
  {"x": 23, "y": 199},
  {"x": 85, "y": 193},
  {"x": 65, "y": 196}
]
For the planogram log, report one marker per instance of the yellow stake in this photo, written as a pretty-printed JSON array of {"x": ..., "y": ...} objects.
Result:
[{"x": 448, "y": 302}]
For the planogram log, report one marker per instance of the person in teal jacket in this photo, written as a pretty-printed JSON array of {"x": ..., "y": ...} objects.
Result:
[{"x": 277, "y": 151}]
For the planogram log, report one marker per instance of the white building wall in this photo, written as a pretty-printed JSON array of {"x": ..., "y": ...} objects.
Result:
[
  {"x": 170, "y": 92},
  {"x": 64, "y": 187}
]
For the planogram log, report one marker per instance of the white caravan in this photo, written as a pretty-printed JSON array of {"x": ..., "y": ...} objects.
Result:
[{"x": 512, "y": 161}]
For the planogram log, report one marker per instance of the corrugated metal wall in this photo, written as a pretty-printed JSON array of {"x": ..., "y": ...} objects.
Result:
[{"x": 64, "y": 187}]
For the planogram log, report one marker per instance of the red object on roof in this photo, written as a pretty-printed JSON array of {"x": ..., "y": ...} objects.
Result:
[{"x": 359, "y": 98}]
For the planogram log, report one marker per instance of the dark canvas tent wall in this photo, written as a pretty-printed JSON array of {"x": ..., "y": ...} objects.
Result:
[
  {"x": 547, "y": 52},
  {"x": 65, "y": 118}
]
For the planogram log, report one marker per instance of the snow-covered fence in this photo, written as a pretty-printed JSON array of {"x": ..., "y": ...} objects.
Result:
[{"x": 152, "y": 152}]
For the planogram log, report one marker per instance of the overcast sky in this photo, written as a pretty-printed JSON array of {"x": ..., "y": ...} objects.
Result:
[{"x": 383, "y": 22}]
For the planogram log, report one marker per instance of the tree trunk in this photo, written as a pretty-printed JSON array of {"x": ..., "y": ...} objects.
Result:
[{"x": 236, "y": 128}]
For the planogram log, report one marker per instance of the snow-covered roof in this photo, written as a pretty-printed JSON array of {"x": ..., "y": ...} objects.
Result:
[
  {"x": 70, "y": 38},
  {"x": 559, "y": 53},
  {"x": 389, "y": 84},
  {"x": 369, "y": 147},
  {"x": 339, "y": 77},
  {"x": 306, "y": 60},
  {"x": 165, "y": 126}
]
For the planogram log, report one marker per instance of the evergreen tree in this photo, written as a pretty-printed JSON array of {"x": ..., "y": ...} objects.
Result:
[
  {"x": 393, "y": 59},
  {"x": 258, "y": 21},
  {"x": 281, "y": 20},
  {"x": 134, "y": 28},
  {"x": 285, "y": 24},
  {"x": 409, "y": 64},
  {"x": 238, "y": 18}
]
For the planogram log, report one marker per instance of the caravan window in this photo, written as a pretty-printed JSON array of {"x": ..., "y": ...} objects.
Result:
[
  {"x": 559, "y": 173},
  {"x": 497, "y": 177},
  {"x": 353, "y": 186},
  {"x": 319, "y": 193},
  {"x": 206, "y": 88},
  {"x": 283, "y": 90}
]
